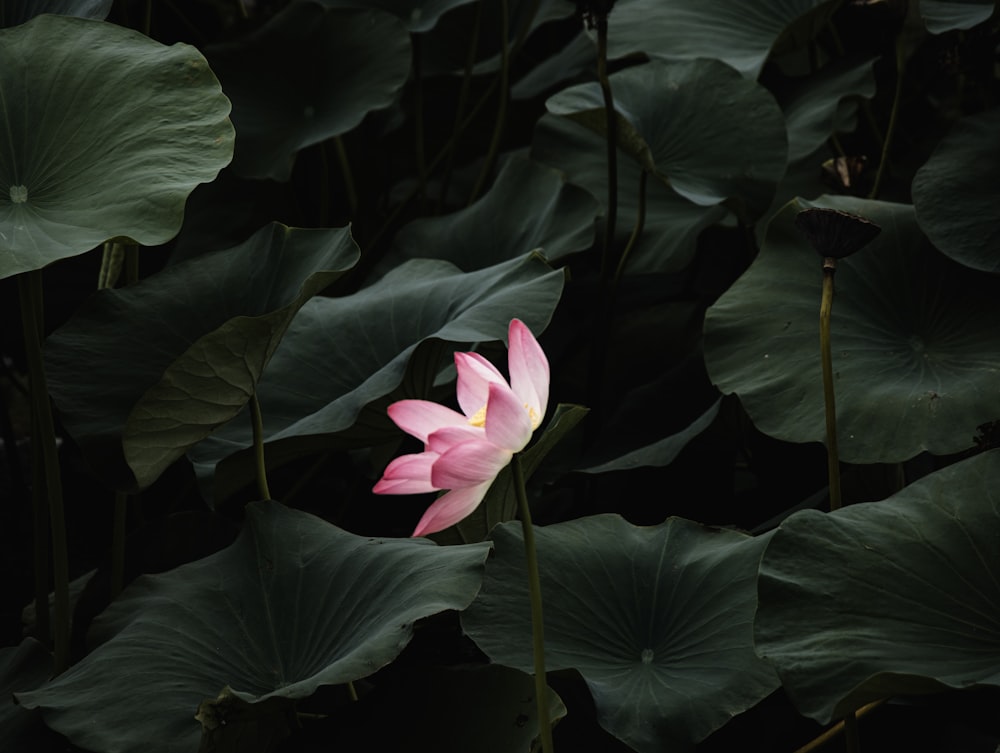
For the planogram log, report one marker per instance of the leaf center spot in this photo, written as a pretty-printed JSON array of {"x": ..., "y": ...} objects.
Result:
[
  {"x": 19, "y": 194},
  {"x": 647, "y": 656}
]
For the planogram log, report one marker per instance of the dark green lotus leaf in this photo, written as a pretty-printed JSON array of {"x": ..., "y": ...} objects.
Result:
[
  {"x": 168, "y": 359},
  {"x": 698, "y": 125},
  {"x": 416, "y": 15},
  {"x": 24, "y": 667},
  {"x": 340, "y": 354},
  {"x": 309, "y": 74},
  {"x": 14, "y": 12},
  {"x": 530, "y": 206},
  {"x": 921, "y": 323},
  {"x": 825, "y": 103},
  {"x": 106, "y": 133},
  {"x": 658, "y": 621},
  {"x": 736, "y": 32},
  {"x": 672, "y": 223},
  {"x": 887, "y": 598},
  {"x": 957, "y": 193},
  {"x": 295, "y": 603},
  {"x": 948, "y": 15}
]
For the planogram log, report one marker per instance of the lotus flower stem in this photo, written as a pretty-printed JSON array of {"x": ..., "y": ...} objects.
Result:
[
  {"x": 829, "y": 398},
  {"x": 345, "y": 171},
  {"x": 640, "y": 221},
  {"x": 30, "y": 291},
  {"x": 116, "y": 256},
  {"x": 535, "y": 595},
  {"x": 501, "y": 118},
  {"x": 601, "y": 22},
  {"x": 893, "y": 115},
  {"x": 463, "y": 100},
  {"x": 258, "y": 447}
]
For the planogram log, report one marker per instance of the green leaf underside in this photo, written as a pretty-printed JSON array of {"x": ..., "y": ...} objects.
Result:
[
  {"x": 340, "y": 354},
  {"x": 915, "y": 353},
  {"x": 528, "y": 207},
  {"x": 657, "y": 620},
  {"x": 106, "y": 134},
  {"x": 886, "y": 598},
  {"x": 358, "y": 60},
  {"x": 738, "y": 33},
  {"x": 697, "y": 125},
  {"x": 672, "y": 223},
  {"x": 957, "y": 191},
  {"x": 169, "y": 357},
  {"x": 950, "y": 15},
  {"x": 295, "y": 603}
]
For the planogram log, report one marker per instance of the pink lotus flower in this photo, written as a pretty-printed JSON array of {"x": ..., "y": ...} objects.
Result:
[{"x": 464, "y": 452}]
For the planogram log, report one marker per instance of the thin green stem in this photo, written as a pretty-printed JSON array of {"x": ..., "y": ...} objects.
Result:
[
  {"x": 829, "y": 399},
  {"x": 418, "y": 115},
  {"x": 640, "y": 222},
  {"x": 463, "y": 98},
  {"x": 112, "y": 260},
  {"x": 345, "y": 171},
  {"x": 494, "y": 148},
  {"x": 611, "y": 127},
  {"x": 258, "y": 447},
  {"x": 893, "y": 117},
  {"x": 43, "y": 550},
  {"x": 118, "y": 544},
  {"x": 852, "y": 739},
  {"x": 30, "y": 292},
  {"x": 535, "y": 594}
]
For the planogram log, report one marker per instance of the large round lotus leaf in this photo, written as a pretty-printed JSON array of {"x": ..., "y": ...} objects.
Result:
[
  {"x": 309, "y": 74},
  {"x": 14, "y": 12},
  {"x": 293, "y": 604},
  {"x": 172, "y": 357},
  {"x": 698, "y": 125},
  {"x": 887, "y": 598},
  {"x": 340, "y": 354},
  {"x": 657, "y": 620},
  {"x": 957, "y": 193},
  {"x": 106, "y": 132},
  {"x": 672, "y": 223},
  {"x": 528, "y": 207},
  {"x": 734, "y": 31},
  {"x": 948, "y": 15},
  {"x": 915, "y": 352}
]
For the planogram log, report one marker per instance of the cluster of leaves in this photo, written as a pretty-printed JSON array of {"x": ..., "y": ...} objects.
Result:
[{"x": 331, "y": 197}]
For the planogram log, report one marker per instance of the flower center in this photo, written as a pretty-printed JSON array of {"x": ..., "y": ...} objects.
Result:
[{"x": 479, "y": 417}]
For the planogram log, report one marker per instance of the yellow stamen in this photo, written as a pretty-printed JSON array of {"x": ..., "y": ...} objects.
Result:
[{"x": 479, "y": 418}]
